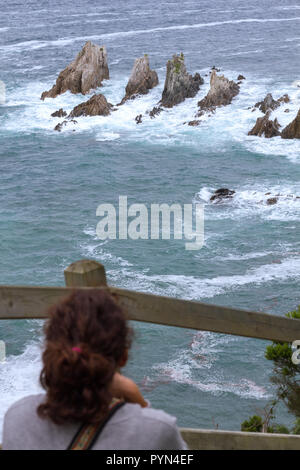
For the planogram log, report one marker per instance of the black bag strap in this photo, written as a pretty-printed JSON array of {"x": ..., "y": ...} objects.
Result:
[{"x": 87, "y": 434}]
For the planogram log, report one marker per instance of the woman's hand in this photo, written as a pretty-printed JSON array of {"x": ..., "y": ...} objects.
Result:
[{"x": 123, "y": 387}]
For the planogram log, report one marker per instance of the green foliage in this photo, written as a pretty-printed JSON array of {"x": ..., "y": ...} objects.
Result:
[
  {"x": 286, "y": 378},
  {"x": 254, "y": 424},
  {"x": 278, "y": 351},
  {"x": 296, "y": 428},
  {"x": 294, "y": 314},
  {"x": 280, "y": 429}
]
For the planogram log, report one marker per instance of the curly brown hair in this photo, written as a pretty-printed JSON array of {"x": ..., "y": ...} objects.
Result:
[{"x": 76, "y": 380}]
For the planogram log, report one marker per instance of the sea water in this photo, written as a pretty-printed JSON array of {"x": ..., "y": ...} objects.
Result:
[{"x": 52, "y": 184}]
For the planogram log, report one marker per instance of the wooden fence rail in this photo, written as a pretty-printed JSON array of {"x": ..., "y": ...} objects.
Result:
[{"x": 26, "y": 302}]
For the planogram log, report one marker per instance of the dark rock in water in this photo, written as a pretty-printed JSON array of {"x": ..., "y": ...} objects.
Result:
[
  {"x": 267, "y": 103},
  {"x": 138, "y": 119},
  {"x": 241, "y": 77},
  {"x": 194, "y": 123},
  {"x": 59, "y": 113},
  {"x": 216, "y": 69},
  {"x": 284, "y": 99},
  {"x": 222, "y": 193},
  {"x": 97, "y": 105},
  {"x": 264, "y": 126},
  {"x": 272, "y": 200},
  {"x": 286, "y": 110},
  {"x": 141, "y": 80},
  {"x": 85, "y": 73},
  {"x": 221, "y": 92},
  {"x": 179, "y": 85},
  {"x": 63, "y": 124},
  {"x": 292, "y": 131},
  {"x": 155, "y": 111}
]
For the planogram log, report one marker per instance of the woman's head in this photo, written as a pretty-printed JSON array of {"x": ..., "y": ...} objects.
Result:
[{"x": 87, "y": 339}]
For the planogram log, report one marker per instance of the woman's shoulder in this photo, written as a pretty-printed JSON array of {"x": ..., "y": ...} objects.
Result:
[
  {"x": 152, "y": 427},
  {"x": 23, "y": 406}
]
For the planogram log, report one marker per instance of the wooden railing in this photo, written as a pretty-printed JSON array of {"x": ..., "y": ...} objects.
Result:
[{"x": 18, "y": 302}]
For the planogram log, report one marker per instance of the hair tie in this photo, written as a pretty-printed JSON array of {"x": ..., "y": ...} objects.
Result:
[{"x": 77, "y": 349}]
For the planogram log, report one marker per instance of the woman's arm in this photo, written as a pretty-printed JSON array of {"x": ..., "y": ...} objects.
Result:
[{"x": 123, "y": 387}]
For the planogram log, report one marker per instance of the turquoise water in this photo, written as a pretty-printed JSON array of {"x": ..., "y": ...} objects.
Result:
[{"x": 52, "y": 184}]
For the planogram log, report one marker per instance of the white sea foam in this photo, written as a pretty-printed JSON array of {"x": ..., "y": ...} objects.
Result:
[
  {"x": 190, "y": 367},
  {"x": 252, "y": 202},
  {"x": 19, "y": 376}
]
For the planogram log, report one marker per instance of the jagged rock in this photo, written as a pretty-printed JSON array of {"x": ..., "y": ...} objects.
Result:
[
  {"x": 222, "y": 193},
  {"x": 97, "y": 105},
  {"x": 155, "y": 111},
  {"x": 215, "y": 68},
  {"x": 285, "y": 99},
  {"x": 63, "y": 124},
  {"x": 286, "y": 110},
  {"x": 142, "y": 79},
  {"x": 59, "y": 113},
  {"x": 196, "y": 122},
  {"x": 221, "y": 92},
  {"x": 264, "y": 126},
  {"x": 138, "y": 119},
  {"x": 85, "y": 73},
  {"x": 241, "y": 77},
  {"x": 272, "y": 200},
  {"x": 267, "y": 103},
  {"x": 179, "y": 85},
  {"x": 292, "y": 131}
]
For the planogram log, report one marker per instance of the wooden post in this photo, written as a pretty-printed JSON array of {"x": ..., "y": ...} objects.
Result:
[{"x": 85, "y": 273}]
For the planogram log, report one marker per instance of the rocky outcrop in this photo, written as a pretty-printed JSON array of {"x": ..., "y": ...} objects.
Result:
[
  {"x": 138, "y": 119},
  {"x": 85, "y": 73},
  {"x": 194, "y": 123},
  {"x": 142, "y": 79},
  {"x": 267, "y": 103},
  {"x": 285, "y": 99},
  {"x": 179, "y": 84},
  {"x": 240, "y": 78},
  {"x": 271, "y": 201},
  {"x": 264, "y": 126},
  {"x": 292, "y": 131},
  {"x": 97, "y": 105},
  {"x": 59, "y": 126},
  {"x": 155, "y": 111},
  {"x": 59, "y": 113},
  {"x": 222, "y": 193},
  {"x": 221, "y": 92}
]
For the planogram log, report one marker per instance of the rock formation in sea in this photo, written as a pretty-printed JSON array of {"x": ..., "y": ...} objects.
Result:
[
  {"x": 268, "y": 103},
  {"x": 85, "y": 73},
  {"x": 222, "y": 193},
  {"x": 97, "y": 105},
  {"x": 265, "y": 126},
  {"x": 194, "y": 123},
  {"x": 221, "y": 93},
  {"x": 240, "y": 78},
  {"x": 292, "y": 130},
  {"x": 59, "y": 113},
  {"x": 155, "y": 111},
  {"x": 142, "y": 79},
  {"x": 179, "y": 84},
  {"x": 59, "y": 126}
]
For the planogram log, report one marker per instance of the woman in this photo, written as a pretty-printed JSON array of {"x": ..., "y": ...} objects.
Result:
[{"x": 88, "y": 403}]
